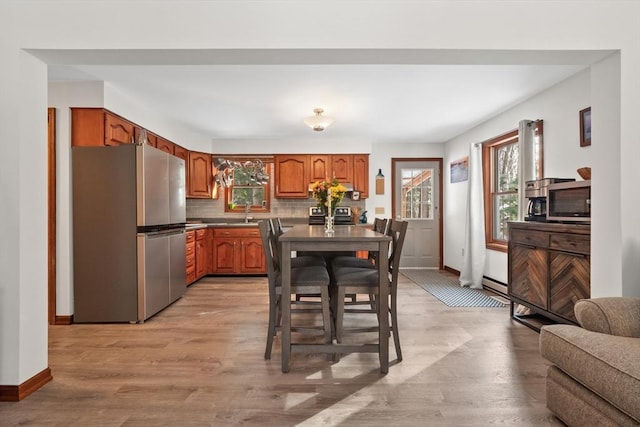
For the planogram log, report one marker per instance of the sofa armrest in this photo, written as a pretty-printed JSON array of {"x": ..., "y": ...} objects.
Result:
[{"x": 610, "y": 315}]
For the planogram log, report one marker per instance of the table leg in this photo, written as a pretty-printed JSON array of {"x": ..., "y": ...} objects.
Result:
[
  {"x": 383, "y": 306},
  {"x": 285, "y": 305}
]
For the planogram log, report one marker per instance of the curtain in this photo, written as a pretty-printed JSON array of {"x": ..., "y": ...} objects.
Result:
[{"x": 475, "y": 246}]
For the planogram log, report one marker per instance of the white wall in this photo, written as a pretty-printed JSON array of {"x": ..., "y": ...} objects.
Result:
[
  {"x": 558, "y": 106},
  {"x": 384, "y": 24}
]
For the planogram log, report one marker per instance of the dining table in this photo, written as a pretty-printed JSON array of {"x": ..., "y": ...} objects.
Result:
[{"x": 342, "y": 238}]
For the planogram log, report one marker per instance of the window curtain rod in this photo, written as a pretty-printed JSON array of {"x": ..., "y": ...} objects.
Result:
[{"x": 531, "y": 122}]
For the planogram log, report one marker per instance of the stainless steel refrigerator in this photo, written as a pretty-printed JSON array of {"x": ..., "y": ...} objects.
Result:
[{"x": 129, "y": 215}]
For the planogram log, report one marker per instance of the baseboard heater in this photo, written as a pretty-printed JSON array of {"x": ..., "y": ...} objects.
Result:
[{"x": 494, "y": 286}]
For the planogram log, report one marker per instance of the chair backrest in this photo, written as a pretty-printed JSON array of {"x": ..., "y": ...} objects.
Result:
[
  {"x": 275, "y": 226},
  {"x": 270, "y": 249},
  {"x": 379, "y": 225},
  {"x": 397, "y": 231}
]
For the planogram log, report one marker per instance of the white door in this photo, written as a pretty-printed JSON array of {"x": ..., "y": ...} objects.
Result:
[{"x": 416, "y": 199}]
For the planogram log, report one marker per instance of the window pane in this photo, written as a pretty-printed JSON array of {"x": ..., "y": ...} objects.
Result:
[
  {"x": 507, "y": 168},
  {"x": 505, "y": 208},
  {"x": 253, "y": 196},
  {"x": 417, "y": 193}
]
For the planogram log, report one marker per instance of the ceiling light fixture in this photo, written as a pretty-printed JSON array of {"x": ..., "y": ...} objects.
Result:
[{"x": 318, "y": 122}]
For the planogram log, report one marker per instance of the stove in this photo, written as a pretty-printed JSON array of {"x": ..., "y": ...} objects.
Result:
[{"x": 342, "y": 216}]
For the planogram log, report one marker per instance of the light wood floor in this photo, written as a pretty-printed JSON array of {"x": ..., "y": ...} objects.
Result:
[{"x": 200, "y": 363}]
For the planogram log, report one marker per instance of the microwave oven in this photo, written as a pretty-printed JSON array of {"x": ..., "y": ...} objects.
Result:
[{"x": 569, "y": 201}]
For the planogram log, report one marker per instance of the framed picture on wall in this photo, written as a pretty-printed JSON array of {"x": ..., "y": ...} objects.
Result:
[
  {"x": 460, "y": 170},
  {"x": 585, "y": 127}
]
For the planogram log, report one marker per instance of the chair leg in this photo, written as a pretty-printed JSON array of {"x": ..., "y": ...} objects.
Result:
[
  {"x": 326, "y": 313},
  {"x": 394, "y": 325},
  {"x": 271, "y": 330},
  {"x": 339, "y": 313}
]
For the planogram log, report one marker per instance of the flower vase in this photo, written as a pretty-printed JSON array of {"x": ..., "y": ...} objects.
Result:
[{"x": 328, "y": 224}]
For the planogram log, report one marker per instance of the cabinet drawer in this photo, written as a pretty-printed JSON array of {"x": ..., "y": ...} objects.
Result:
[
  {"x": 191, "y": 261},
  {"x": 190, "y": 249},
  {"x": 236, "y": 232},
  {"x": 191, "y": 236},
  {"x": 570, "y": 242},
  {"x": 532, "y": 238},
  {"x": 201, "y": 233}
]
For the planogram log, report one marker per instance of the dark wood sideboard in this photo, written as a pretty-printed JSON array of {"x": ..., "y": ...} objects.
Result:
[{"x": 549, "y": 270}]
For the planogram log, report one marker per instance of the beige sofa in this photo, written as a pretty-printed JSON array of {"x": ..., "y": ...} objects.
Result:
[{"x": 594, "y": 378}]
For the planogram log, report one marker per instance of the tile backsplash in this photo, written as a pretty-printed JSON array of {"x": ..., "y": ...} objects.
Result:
[{"x": 284, "y": 208}]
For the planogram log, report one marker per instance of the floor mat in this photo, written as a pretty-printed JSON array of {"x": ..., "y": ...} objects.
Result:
[{"x": 447, "y": 289}]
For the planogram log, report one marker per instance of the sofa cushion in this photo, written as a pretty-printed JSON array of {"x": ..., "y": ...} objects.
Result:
[
  {"x": 606, "y": 364},
  {"x": 612, "y": 315}
]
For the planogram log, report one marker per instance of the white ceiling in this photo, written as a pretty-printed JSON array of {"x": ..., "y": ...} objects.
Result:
[{"x": 268, "y": 97}]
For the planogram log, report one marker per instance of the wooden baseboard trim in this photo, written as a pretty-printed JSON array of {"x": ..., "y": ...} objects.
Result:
[
  {"x": 64, "y": 320},
  {"x": 15, "y": 393},
  {"x": 451, "y": 270}
]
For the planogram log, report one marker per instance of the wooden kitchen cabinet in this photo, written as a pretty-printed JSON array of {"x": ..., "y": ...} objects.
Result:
[
  {"x": 200, "y": 175},
  {"x": 117, "y": 130},
  {"x": 342, "y": 167},
  {"x": 191, "y": 256},
  {"x": 361, "y": 174},
  {"x": 95, "y": 127},
  {"x": 319, "y": 167},
  {"x": 237, "y": 250},
  {"x": 291, "y": 172},
  {"x": 549, "y": 268},
  {"x": 165, "y": 145},
  {"x": 202, "y": 249}
]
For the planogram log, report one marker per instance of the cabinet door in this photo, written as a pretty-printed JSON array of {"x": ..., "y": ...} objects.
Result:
[
  {"x": 87, "y": 127},
  {"x": 165, "y": 145},
  {"x": 318, "y": 168},
  {"x": 224, "y": 255},
  {"x": 201, "y": 253},
  {"x": 200, "y": 175},
  {"x": 251, "y": 256},
  {"x": 180, "y": 152},
  {"x": 117, "y": 130},
  {"x": 361, "y": 174},
  {"x": 528, "y": 274},
  {"x": 569, "y": 281},
  {"x": 341, "y": 167},
  {"x": 291, "y": 175}
]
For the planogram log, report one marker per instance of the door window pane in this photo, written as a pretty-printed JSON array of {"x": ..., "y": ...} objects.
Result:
[{"x": 417, "y": 193}]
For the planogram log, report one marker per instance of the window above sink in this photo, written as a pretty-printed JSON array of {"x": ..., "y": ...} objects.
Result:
[{"x": 245, "y": 191}]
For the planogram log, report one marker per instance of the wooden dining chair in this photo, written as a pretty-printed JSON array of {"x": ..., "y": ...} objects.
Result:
[
  {"x": 379, "y": 225},
  {"x": 364, "y": 280},
  {"x": 304, "y": 280}
]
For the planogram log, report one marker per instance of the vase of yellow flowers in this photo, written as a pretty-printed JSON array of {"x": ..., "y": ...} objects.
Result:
[{"x": 328, "y": 194}]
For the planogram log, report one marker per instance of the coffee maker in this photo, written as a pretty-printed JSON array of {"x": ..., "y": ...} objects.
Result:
[{"x": 536, "y": 192}]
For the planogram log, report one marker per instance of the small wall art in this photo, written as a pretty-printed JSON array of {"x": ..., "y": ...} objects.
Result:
[
  {"x": 585, "y": 127},
  {"x": 460, "y": 170}
]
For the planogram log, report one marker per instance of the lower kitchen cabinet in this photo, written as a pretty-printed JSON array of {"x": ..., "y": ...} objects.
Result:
[
  {"x": 549, "y": 268},
  {"x": 203, "y": 243},
  {"x": 237, "y": 250},
  {"x": 191, "y": 256}
]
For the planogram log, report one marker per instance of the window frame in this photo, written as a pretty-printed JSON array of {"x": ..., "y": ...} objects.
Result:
[
  {"x": 228, "y": 192},
  {"x": 489, "y": 178}
]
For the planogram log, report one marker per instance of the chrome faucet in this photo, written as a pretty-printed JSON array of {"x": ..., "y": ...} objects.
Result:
[{"x": 247, "y": 210}]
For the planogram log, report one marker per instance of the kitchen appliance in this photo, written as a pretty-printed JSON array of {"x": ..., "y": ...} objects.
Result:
[
  {"x": 342, "y": 216},
  {"x": 129, "y": 215},
  {"x": 569, "y": 202},
  {"x": 536, "y": 192}
]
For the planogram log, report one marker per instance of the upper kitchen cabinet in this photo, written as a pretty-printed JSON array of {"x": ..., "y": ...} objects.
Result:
[
  {"x": 341, "y": 167},
  {"x": 200, "y": 177},
  {"x": 319, "y": 167},
  {"x": 99, "y": 127},
  {"x": 291, "y": 173},
  {"x": 361, "y": 174},
  {"x": 183, "y": 153},
  {"x": 165, "y": 145}
]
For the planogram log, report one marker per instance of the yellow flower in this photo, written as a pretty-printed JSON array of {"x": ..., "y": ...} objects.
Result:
[{"x": 322, "y": 189}]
